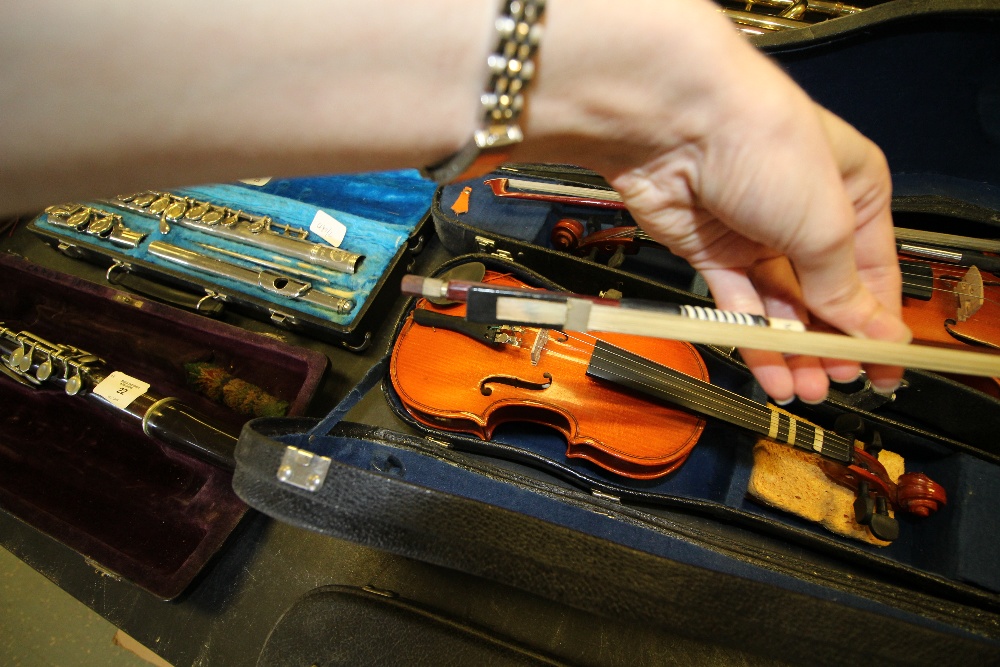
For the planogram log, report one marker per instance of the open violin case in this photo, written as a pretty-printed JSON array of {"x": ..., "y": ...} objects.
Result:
[
  {"x": 687, "y": 553},
  {"x": 690, "y": 554},
  {"x": 377, "y": 221}
]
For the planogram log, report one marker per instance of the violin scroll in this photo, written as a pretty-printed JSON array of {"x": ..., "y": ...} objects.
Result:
[
  {"x": 567, "y": 234},
  {"x": 913, "y": 493},
  {"x": 918, "y": 494}
]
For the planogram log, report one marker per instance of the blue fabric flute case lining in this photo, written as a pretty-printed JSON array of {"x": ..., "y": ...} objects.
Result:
[
  {"x": 303, "y": 284},
  {"x": 504, "y": 508}
]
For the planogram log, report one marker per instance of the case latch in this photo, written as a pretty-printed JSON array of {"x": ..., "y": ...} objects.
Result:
[
  {"x": 489, "y": 246},
  {"x": 69, "y": 250},
  {"x": 284, "y": 320},
  {"x": 303, "y": 469}
]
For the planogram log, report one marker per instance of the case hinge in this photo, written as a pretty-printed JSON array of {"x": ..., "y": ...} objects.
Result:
[{"x": 303, "y": 469}]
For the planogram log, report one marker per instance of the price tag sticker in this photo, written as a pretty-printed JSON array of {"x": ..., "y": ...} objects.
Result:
[
  {"x": 259, "y": 182},
  {"x": 120, "y": 390},
  {"x": 328, "y": 228}
]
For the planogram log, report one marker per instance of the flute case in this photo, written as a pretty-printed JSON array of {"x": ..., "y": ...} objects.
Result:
[
  {"x": 687, "y": 554},
  {"x": 384, "y": 215},
  {"x": 80, "y": 473}
]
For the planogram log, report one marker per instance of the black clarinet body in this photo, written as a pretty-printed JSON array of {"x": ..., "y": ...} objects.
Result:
[{"x": 38, "y": 363}]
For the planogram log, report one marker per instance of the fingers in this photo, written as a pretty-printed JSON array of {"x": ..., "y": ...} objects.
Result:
[
  {"x": 770, "y": 287},
  {"x": 873, "y": 310},
  {"x": 732, "y": 290}
]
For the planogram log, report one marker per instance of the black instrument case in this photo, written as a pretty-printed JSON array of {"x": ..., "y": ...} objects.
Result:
[
  {"x": 704, "y": 563},
  {"x": 384, "y": 214}
]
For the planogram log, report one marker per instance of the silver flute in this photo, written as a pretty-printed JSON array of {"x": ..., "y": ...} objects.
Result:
[
  {"x": 237, "y": 226},
  {"x": 269, "y": 281}
]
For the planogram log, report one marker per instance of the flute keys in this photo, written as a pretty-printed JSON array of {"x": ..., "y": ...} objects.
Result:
[
  {"x": 213, "y": 216},
  {"x": 79, "y": 220},
  {"x": 101, "y": 226},
  {"x": 231, "y": 220},
  {"x": 73, "y": 385},
  {"x": 144, "y": 200},
  {"x": 175, "y": 211},
  {"x": 160, "y": 205},
  {"x": 197, "y": 211}
]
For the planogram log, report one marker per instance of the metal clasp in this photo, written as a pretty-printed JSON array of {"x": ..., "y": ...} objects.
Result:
[{"x": 303, "y": 469}]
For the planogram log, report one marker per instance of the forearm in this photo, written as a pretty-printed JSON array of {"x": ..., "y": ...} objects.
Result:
[{"x": 100, "y": 96}]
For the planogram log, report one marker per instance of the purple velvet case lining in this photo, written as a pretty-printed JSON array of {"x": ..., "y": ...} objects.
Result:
[{"x": 152, "y": 515}]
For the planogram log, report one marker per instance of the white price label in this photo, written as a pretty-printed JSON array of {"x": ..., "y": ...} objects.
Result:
[
  {"x": 328, "y": 228},
  {"x": 120, "y": 389},
  {"x": 259, "y": 182}
]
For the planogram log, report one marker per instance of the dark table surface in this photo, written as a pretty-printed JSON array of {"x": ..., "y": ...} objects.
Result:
[{"x": 226, "y": 616}]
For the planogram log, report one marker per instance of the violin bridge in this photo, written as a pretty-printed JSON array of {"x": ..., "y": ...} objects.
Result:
[
  {"x": 970, "y": 294},
  {"x": 536, "y": 348}
]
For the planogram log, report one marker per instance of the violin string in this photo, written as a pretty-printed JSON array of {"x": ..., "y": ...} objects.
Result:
[
  {"x": 719, "y": 397},
  {"x": 736, "y": 408},
  {"x": 714, "y": 400},
  {"x": 906, "y": 274}
]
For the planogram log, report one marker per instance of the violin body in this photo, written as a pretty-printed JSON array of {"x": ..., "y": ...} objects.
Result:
[
  {"x": 938, "y": 319},
  {"x": 946, "y": 315},
  {"x": 449, "y": 381}
]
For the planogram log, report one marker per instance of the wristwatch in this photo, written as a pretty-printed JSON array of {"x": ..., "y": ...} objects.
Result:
[{"x": 511, "y": 68}]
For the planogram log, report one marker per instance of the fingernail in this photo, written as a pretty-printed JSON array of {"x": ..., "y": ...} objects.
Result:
[
  {"x": 855, "y": 378},
  {"x": 785, "y": 401},
  {"x": 816, "y": 402},
  {"x": 885, "y": 390}
]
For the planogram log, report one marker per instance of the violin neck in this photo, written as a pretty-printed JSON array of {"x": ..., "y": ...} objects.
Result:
[{"x": 614, "y": 364}]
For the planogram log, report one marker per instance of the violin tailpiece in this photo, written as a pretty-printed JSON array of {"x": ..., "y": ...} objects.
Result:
[{"x": 790, "y": 480}]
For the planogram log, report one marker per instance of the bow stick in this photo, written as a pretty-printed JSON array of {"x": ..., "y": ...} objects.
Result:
[{"x": 574, "y": 312}]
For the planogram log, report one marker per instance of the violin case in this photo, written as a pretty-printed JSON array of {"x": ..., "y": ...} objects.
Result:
[
  {"x": 688, "y": 554},
  {"x": 921, "y": 78},
  {"x": 689, "y": 557},
  {"x": 384, "y": 214},
  {"x": 133, "y": 508}
]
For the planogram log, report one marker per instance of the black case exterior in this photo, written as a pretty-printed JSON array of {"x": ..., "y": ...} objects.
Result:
[
  {"x": 716, "y": 582},
  {"x": 616, "y": 582},
  {"x": 201, "y": 295}
]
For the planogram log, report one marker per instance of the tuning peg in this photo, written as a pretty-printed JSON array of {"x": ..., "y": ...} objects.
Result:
[{"x": 883, "y": 526}]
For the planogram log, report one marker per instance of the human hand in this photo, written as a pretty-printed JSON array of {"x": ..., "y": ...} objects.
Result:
[{"x": 782, "y": 206}]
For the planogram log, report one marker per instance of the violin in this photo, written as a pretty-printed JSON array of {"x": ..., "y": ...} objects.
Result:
[
  {"x": 632, "y": 405},
  {"x": 951, "y": 305},
  {"x": 570, "y": 235},
  {"x": 946, "y": 303}
]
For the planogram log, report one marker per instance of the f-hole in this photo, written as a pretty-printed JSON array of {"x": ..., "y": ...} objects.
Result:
[{"x": 514, "y": 381}]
